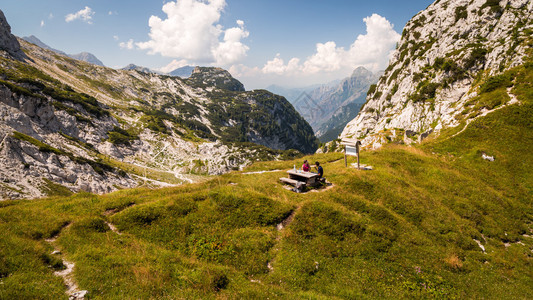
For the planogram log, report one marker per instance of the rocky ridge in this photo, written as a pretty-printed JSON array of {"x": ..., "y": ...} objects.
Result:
[
  {"x": 83, "y": 56},
  {"x": 446, "y": 52}
]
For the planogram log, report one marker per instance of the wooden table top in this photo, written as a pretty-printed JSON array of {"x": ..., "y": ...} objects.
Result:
[{"x": 301, "y": 173}]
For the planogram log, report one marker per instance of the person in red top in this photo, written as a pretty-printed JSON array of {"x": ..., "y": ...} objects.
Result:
[{"x": 306, "y": 166}]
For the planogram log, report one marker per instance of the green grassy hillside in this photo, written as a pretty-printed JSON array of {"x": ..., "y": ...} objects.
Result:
[{"x": 407, "y": 229}]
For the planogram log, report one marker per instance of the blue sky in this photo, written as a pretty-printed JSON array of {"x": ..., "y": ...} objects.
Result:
[{"x": 293, "y": 43}]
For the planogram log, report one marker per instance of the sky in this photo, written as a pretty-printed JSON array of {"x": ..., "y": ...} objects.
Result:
[{"x": 292, "y": 43}]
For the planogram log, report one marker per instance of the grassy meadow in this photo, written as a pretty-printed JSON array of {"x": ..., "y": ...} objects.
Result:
[{"x": 410, "y": 228}]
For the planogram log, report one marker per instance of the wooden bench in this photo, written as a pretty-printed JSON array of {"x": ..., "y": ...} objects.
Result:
[{"x": 292, "y": 182}]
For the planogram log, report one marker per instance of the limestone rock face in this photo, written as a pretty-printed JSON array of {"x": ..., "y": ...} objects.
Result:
[
  {"x": 432, "y": 73},
  {"x": 8, "y": 42}
]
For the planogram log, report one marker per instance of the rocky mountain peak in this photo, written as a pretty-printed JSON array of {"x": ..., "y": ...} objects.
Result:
[
  {"x": 8, "y": 41},
  {"x": 137, "y": 68},
  {"x": 87, "y": 57},
  {"x": 361, "y": 71},
  {"x": 182, "y": 72},
  {"x": 443, "y": 52},
  {"x": 35, "y": 40},
  {"x": 217, "y": 77}
]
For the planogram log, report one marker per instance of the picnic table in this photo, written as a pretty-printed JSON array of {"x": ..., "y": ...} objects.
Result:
[
  {"x": 301, "y": 179},
  {"x": 309, "y": 178}
]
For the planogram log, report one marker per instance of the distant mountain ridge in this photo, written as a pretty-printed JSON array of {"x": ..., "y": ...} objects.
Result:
[
  {"x": 83, "y": 56},
  {"x": 329, "y": 107},
  {"x": 138, "y": 68},
  {"x": 182, "y": 72}
]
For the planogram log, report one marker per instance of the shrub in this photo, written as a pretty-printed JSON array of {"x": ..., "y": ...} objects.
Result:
[
  {"x": 119, "y": 136},
  {"x": 496, "y": 82},
  {"x": 493, "y": 4},
  {"x": 460, "y": 13},
  {"x": 371, "y": 89},
  {"x": 43, "y": 147},
  {"x": 426, "y": 90},
  {"x": 476, "y": 56}
]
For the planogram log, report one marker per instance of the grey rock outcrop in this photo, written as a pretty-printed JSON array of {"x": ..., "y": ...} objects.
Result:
[
  {"x": 9, "y": 42},
  {"x": 431, "y": 75}
]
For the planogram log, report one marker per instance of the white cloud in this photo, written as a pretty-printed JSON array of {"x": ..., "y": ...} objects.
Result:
[
  {"x": 50, "y": 16},
  {"x": 231, "y": 50},
  {"x": 327, "y": 58},
  {"x": 376, "y": 47},
  {"x": 277, "y": 66},
  {"x": 192, "y": 31},
  {"x": 371, "y": 50},
  {"x": 128, "y": 45},
  {"x": 240, "y": 70},
  {"x": 173, "y": 65},
  {"x": 86, "y": 15},
  {"x": 42, "y": 23},
  {"x": 115, "y": 37}
]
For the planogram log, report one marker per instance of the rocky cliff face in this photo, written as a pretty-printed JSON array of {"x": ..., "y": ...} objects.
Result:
[
  {"x": 66, "y": 125},
  {"x": 8, "y": 42},
  {"x": 445, "y": 53}
]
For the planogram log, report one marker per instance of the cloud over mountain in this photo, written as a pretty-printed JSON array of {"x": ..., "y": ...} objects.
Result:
[
  {"x": 371, "y": 50},
  {"x": 192, "y": 31}
]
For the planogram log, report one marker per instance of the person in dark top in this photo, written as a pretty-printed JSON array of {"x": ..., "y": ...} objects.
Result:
[{"x": 319, "y": 169}]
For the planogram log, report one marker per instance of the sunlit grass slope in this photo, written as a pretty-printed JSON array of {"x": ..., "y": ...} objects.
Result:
[{"x": 408, "y": 229}]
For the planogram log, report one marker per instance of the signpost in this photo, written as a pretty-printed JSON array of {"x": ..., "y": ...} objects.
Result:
[{"x": 351, "y": 147}]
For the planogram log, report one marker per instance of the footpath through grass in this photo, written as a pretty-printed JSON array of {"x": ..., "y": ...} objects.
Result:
[{"x": 408, "y": 229}]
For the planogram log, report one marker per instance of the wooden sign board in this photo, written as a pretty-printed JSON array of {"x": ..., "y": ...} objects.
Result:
[
  {"x": 353, "y": 151},
  {"x": 351, "y": 147}
]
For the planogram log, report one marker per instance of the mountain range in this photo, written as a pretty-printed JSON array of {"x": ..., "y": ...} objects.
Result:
[
  {"x": 83, "y": 56},
  {"x": 329, "y": 107},
  {"x": 68, "y": 124}
]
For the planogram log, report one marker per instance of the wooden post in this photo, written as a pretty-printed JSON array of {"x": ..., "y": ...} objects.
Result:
[
  {"x": 357, "y": 146},
  {"x": 345, "y": 160}
]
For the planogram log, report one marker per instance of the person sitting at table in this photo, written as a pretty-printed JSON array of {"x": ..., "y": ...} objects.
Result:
[
  {"x": 319, "y": 170},
  {"x": 305, "y": 166}
]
